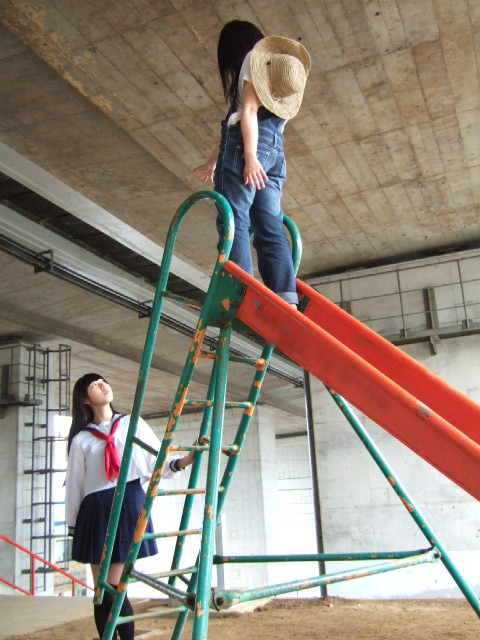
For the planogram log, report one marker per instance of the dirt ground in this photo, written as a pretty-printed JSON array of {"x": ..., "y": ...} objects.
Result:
[{"x": 333, "y": 619}]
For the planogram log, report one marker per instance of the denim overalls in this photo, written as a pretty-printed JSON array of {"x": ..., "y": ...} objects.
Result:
[{"x": 259, "y": 209}]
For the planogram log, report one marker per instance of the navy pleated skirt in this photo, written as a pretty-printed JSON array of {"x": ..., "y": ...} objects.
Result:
[{"x": 92, "y": 522}]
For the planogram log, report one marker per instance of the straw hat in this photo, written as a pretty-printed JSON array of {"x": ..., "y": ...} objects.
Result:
[{"x": 279, "y": 68}]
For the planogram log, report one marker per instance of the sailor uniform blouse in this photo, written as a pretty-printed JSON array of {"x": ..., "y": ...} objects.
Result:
[{"x": 86, "y": 462}]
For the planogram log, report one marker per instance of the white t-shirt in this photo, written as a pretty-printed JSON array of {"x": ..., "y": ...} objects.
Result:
[{"x": 86, "y": 462}]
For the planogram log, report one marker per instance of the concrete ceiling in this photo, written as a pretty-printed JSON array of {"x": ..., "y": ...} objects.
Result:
[{"x": 107, "y": 105}]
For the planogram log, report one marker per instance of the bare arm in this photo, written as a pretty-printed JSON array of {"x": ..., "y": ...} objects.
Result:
[
  {"x": 205, "y": 171},
  {"x": 253, "y": 173}
]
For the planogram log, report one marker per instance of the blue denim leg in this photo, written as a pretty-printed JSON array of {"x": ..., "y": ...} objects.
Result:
[
  {"x": 229, "y": 182},
  {"x": 257, "y": 208}
]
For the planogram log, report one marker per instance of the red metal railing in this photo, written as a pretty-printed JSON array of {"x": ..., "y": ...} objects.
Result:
[{"x": 34, "y": 557}]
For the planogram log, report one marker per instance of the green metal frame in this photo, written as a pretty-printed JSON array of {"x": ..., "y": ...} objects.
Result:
[{"x": 223, "y": 297}]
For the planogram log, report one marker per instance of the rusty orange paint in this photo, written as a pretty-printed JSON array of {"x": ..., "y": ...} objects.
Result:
[
  {"x": 141, "y": 526},
  {"x": 258, "y": 384},
  {"x": 249, "y": 410},
  {"x": 226, "y": 304},
  {"x": 407, "y": 504},
  {"x": 199, "y": 346},
  {"x": 391, "y": 480},
  {"x": 221, "y": 257},
  {"x": 196, "y": 336},
  {"x": 230, "y": 233},
  {"x": 261, "y": 364},
  {"x": 178, "y": 410},
  {"x": 122, "y": 587},
  {"x": 199, "y": 610},
  {"x": 210, "y": 512}
]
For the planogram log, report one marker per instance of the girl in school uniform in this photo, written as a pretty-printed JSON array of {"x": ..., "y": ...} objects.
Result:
[{"x": 95, "y": 447}]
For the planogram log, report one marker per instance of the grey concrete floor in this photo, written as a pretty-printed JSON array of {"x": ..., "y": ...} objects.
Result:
[{"x": 25, "y": 614}]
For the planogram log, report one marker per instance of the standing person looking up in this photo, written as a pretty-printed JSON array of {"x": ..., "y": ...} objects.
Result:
[
  {"x": 263, "y": 81},
  {"x": 95, "y": 446}
]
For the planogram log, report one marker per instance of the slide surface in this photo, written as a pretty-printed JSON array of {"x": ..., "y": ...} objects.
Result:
[{"x": 429, "y": 416}]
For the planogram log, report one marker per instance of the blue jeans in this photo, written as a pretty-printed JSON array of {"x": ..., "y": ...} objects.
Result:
[{"x": 258, "y": 209}]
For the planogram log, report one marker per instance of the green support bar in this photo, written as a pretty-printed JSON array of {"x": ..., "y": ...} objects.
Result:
[{"x": 406, "y": 500}]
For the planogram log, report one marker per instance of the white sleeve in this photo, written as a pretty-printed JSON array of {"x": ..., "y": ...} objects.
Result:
[
  {"x": 74, "y": 483},
  {"x": 245, "y": 72}
]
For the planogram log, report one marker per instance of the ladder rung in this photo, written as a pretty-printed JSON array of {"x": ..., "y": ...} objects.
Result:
[
  {"x": 168, "y": 589},
  {"x": 198, "y": 403},
  {"x": 193, "y": 447},
  {"x": 238, "y": 405},
  {"x": 175, "y": 572},
  {"x": 145, "y": 446},
  {"x": 181, "y": 299},
  {"x": 172, "y": 534},
  {"x": 180, "y": 492},
  {"x": 209, "y": 403},
  {"x": 259, "y": 363}
]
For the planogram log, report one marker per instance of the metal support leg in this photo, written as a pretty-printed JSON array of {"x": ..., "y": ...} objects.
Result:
[
  {"x": 407, "y": 501},
  {"x": 202, "y": 601}
]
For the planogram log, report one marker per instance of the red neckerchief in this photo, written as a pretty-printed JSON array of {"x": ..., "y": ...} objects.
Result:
[{"x": 112, "y": 459}]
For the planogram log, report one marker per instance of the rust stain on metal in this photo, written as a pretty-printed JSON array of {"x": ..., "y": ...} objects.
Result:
[
  {"x": 199, "y": 610},
  {"x": 226, "y": 304},
  {"x": 422, "y": 411},
  {"x": 178, "y": 410},
  {"x": 210, "y": 512},
  {"x": 198, "y": 348},
  {"x": 261, "y": 363},
  {"x": 249, "y": 410},
  {"x": 196, "y": 336},
  {"x": 391, "y": 480},
  {"x": 258, "y": 384},
  {"x": 221, "y": 257},
  {"x": 407, "y": 504},
  {"x": 122, "y": 587},
  {"x": 141, "y": 526}
]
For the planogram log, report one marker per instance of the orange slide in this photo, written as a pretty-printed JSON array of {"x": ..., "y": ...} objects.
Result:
[{"x": 417, "y": 407}]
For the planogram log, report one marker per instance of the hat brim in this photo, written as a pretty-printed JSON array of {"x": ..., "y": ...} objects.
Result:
[{"x": 262, "y": 53}]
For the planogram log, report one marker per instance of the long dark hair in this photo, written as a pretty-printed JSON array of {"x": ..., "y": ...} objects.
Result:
[
  {"x": 82, "y": 413},
  {"x": 237, "y": 38}
]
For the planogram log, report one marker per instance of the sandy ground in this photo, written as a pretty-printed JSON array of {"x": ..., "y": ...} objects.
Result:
[{"x": 334, "y": 619}]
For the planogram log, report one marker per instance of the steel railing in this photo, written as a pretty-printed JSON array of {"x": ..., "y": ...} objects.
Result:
[{"x": 36, "y": 558}]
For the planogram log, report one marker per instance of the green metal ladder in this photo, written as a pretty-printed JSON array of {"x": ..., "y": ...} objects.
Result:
[
  {"x": 213, "y": 313},
  {"x": 223, "y": 297}
]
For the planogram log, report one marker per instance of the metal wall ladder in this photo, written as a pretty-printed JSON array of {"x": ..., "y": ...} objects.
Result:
[{"x": 218, "y": 310}]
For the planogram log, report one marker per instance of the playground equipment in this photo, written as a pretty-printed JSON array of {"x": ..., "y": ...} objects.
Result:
[{"x": 418, "y": 408}]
